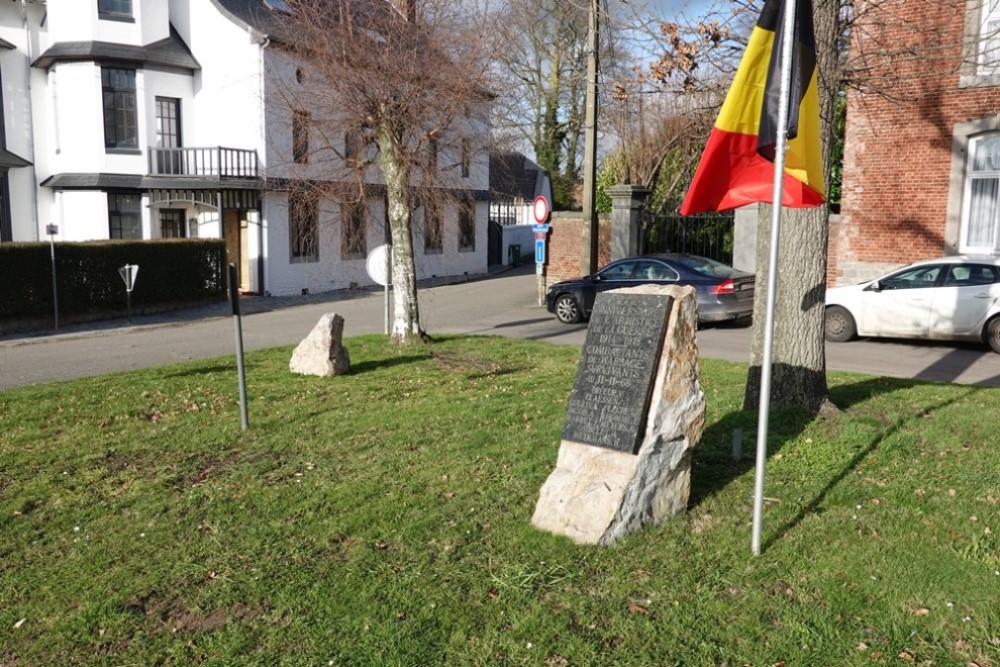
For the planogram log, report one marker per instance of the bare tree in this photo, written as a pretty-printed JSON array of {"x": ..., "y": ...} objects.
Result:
[
  {"x": 394, "y": 98},
  {"x": 660, "y": 139},
  {"x": 543, "y": 63}
]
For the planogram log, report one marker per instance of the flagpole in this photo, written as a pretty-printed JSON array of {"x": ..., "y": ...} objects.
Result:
[{"x": 787, "y": 43}]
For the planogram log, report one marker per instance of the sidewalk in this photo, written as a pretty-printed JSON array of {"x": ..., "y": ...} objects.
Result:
[{"x": 250, "y": 304}]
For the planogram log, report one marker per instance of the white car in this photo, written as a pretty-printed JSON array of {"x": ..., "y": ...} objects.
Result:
[{"x": 949, "y": 298}]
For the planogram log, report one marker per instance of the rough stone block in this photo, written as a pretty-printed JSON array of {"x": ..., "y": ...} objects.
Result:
[{"x": 322, "y": 352}]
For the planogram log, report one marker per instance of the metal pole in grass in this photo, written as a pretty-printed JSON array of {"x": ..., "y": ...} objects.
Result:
[
  {"x": 52, "y": 230},
  {"x": 234, "y": 299},
  {"x": 784, "y": 95}
]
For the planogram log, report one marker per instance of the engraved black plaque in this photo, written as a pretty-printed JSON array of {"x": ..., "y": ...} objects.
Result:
[{"x": 610, "y": 397}]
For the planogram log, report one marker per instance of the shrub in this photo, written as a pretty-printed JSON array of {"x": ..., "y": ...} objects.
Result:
[{"x": 170, "y": 271}]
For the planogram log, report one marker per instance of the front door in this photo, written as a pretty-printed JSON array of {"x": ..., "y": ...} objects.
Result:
[{"x": 233, "y": 230}]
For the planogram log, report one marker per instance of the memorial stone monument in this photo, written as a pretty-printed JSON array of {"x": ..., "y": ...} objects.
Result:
[{"x": 634, "y": 415}]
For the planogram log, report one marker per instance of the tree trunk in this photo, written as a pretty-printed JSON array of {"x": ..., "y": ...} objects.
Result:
[
  {"x": 406, "y": 315},
  {"x": 798, "y": 373}
]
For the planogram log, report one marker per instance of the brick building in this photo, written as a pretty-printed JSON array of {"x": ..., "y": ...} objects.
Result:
[{"x": 922, "y": 150}]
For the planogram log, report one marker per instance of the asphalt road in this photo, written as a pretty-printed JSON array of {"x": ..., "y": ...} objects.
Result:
[{"x": 505, "y": 304}]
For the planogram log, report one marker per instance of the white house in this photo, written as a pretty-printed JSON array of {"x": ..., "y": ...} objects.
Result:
[
  {"x": 515, "y": 182},
  {"x": 152, "y": 119}
]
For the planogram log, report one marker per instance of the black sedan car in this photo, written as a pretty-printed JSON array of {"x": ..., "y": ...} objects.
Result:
[{"x": 724, "y": 293}]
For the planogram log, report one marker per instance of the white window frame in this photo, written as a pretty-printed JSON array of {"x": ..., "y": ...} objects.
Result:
[
  {"x": 988, "y": 47},
  {"x": 970, "y": 177}
]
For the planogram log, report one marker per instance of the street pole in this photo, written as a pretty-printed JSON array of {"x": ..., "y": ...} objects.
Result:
[
  {"x": 53, "y": 230},
  {"x": 234, "y": 300},
  {"x": 589, "y": 232}
]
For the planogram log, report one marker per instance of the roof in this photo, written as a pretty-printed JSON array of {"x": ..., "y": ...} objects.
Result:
[
  {"x": 267, "y": 16},
  {"x": 171, "y": 52},
  {"x": 102, "y": 181},
  {"x": 4, "y": 44},
  {"x": 9, "y": 160},
  {"x": 513, "y": 175},
  {"x": 260, "y": 15}
]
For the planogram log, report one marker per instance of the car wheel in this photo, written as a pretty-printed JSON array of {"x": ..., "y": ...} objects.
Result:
[
  {"x": 993, "y": 334},
  {"x": 567, "y": 309},
  {"x": 839, "y": 326}
]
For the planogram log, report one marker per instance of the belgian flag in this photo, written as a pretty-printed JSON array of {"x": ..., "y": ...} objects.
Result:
[{"x": 737, "y": 167}]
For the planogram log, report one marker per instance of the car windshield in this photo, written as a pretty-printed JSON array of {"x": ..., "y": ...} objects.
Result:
[{"x": 706, "y": 266}]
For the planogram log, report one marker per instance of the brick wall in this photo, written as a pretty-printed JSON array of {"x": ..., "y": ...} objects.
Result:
[
  {"x": 898, "y": 144},
  {"x": 564, "y": 250}
]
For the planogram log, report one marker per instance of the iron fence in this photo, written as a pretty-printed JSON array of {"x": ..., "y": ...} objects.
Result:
[{"x": 706, "y": 234}]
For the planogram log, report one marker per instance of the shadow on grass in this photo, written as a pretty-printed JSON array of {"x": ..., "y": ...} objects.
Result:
[
  {"x": 203, "y": 370},
  {"x": 715, "y": 466},
  {"x": 379, "y": 364},
  {"x": 814, "y": 504}
]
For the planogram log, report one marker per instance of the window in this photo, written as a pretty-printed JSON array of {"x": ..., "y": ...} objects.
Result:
[
  {"x": 300, "y": 137},
  {"x": 432, "y": 155},
  {"x": 433, "y": 229},
  {"x": 619, "y": 271},
  {"x": 303, "y": 227},
  {"x": 919, "y": 277},
  {"x": 124, "y": 216},
  {"x": 114, "y": 9},
  {"x": 970, "y": 275},
  {"x": 120, "y": 117},
  {"x": 982, "y": 192},
  {"x": 467, "y": 227},
  {"x": 989, "y": 37},
  {"x": 352, "y": 147},
  {"x": 353, "y": 244},
  {"x": 467, "y": 156},
  {"x": 650, "y": 270},
  {"x": 169, "y": 160},
  {"x": 172, "y": 223}
]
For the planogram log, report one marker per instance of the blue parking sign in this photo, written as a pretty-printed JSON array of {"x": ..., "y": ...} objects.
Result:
[{"x": 539, "y": 251}]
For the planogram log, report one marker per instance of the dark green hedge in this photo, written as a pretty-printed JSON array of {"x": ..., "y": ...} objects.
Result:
[{"x": 174, "y": 271}]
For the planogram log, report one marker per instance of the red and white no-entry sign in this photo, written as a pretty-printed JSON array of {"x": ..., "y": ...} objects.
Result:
[{"x": 540, "y": 209}]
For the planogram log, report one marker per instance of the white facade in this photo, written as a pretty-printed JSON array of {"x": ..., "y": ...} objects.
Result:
[{"x": 201, "y": 76}]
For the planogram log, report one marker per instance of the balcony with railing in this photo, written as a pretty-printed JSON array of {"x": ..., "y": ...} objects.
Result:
[{"x": 216, "y": 163}]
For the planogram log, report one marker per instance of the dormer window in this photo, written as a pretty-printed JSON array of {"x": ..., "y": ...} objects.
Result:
[{"x": 115, "y": 10}]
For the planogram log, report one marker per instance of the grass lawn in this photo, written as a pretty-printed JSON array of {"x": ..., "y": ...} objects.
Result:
[{"x": 382, "y": 518}]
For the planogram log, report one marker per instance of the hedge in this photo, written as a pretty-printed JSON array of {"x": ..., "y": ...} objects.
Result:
[{"x": 170, "y": 271}]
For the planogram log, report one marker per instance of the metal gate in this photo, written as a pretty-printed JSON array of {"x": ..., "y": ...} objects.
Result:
[
  {"x": 494, "y": 245},
  {"x": 706, "y": 234}
]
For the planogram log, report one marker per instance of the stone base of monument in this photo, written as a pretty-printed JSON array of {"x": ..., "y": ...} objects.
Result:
[
  {"x": 322, "y": 351},
  {"x": 635, "y": 414}
]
